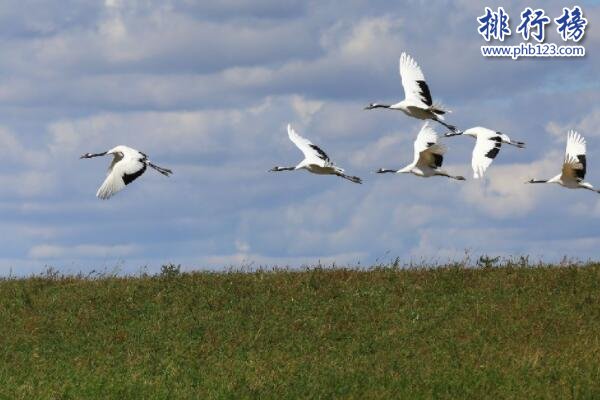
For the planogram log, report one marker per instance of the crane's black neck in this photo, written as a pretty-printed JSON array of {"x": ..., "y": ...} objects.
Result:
[
  {"x": 90, "y": 155},
  {"x": 277, "y": 169},
  {"x": 372, "y": 106}
]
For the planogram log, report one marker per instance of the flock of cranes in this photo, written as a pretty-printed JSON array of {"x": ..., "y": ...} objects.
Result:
[{"x": 129, "y": 164}]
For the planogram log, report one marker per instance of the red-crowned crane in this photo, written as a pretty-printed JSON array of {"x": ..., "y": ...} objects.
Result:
[
  {"x": 127, "y": 165},
  {"x": 417, "y": 101},
  {"x": 574, "y": 166},
  {"x": 486, "y": 147},
  {"x": 429, "y": 156},
  {"x": 315, "y": 159}
]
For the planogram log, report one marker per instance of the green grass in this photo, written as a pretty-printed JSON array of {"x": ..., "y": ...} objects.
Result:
[{"x": 451, "y": 332}]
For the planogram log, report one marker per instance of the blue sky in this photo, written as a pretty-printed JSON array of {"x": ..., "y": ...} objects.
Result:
[{"x": 207, "y": 88}]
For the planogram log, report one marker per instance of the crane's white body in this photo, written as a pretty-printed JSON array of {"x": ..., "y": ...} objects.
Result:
[
  {"x": 126, "y": 166},
  {"x": 574, "y": 165},
  {"x": 487, "y": 146},
  {"x": 417, "y": 102},
  {"x": 428, "y": 156},
  {"x": 414, "y": 110},
  {"x": 315, "y": 159}
]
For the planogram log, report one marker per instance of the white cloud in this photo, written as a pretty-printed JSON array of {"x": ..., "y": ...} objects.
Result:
[
  {"x": 388, "y": 147},
  {"x": 242, "y": 246},
  {"x": 48, "y": 251},
  {"x": 366, "y": 38},
  {"x": 17, "y": 153},
  {"x": 587, "y": 125},
  {"x": 167, "y": 131},
  {"x": 29, "y": 183},
  {"x": 502, "y": 193},
  {"x": 306, "y": 108}
]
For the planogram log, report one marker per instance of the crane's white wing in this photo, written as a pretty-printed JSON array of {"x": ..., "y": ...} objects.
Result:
[
  {"x": 484, "y": 152},
  {"x": 574, "y": 166},
  {"x": 309, "y": 149},
  {"x": 122, "y": 173},
  {"x": 427, "y": 148},
  {"x": 416, "y": 90}
]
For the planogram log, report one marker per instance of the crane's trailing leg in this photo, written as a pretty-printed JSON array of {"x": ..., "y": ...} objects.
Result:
[
  {"x": 354, "y": 179},
  {"x": 451, "y": 127},
  {"x": 164, "y": 171}
]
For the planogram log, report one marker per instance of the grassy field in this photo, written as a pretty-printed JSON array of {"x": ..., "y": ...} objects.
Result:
[{"x": 451, "y": 332}]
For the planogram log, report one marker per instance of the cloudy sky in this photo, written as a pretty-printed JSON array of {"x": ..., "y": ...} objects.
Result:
[{"x": 207, "y": 88}]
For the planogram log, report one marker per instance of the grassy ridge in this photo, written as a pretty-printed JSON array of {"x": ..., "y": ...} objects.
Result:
[{"x": 511, "y": 332}]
